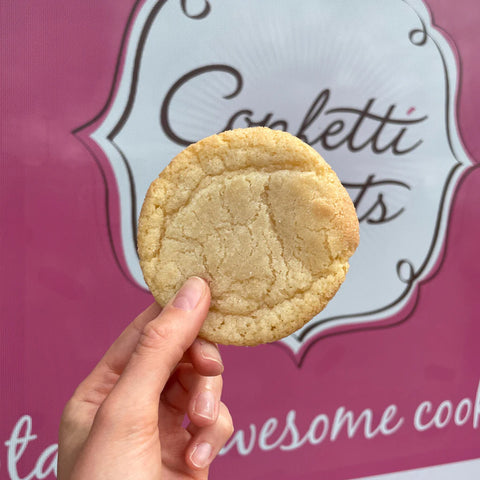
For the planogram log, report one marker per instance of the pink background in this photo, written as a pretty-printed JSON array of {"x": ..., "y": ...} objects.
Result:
[{"x": 64, "y": 299}]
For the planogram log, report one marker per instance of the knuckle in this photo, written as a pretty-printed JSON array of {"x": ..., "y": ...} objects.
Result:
[
  {"x": 105, "y": 413},
  {"x": 74, "y": 417},
  {"x": 110, "y": 414},
  {"x": 228, "y": 432},
  {"x": 159, "y": 337},
  {"x": 69, "y": 412},
  {"x": 154, "y": 334},
  {"x": 225, "y": 421}
]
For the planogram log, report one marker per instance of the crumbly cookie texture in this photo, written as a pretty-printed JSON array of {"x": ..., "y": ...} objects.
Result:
[{"x": 262, "y": 217}]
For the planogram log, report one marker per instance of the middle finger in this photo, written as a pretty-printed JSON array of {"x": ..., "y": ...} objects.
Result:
[{"x": 195, "y": 394}]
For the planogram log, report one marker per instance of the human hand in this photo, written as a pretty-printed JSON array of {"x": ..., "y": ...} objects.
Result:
[{"x": 126, "y": 419}]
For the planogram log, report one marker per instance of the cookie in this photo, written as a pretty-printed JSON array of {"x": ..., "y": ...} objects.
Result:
[{"x": 262, "y": 217}]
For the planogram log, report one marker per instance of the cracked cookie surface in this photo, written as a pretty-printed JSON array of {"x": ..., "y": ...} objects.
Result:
[{"x": 262, "y": 217}]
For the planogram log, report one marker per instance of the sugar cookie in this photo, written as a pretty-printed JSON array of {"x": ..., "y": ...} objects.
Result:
[{"x": 262, "y": 217}]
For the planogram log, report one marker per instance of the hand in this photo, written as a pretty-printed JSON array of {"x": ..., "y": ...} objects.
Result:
[{"x": 126, "y": 419}]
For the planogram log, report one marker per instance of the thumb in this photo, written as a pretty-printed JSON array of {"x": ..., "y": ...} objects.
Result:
[{"x": 160, "y": 347}]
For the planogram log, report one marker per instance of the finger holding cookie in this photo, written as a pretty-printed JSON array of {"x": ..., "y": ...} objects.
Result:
[{"x": 128, "y": 416}]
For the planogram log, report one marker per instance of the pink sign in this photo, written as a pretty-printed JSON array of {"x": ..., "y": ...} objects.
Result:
[{"x": 99, "y": 96}]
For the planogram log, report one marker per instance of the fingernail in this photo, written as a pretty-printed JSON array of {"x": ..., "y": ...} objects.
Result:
[
  {"x": 210, "y": 352},
  {"x": 201, "y": 455},
  {"x": 190, "y": 294},
  {"x": 205, "y": 405}
]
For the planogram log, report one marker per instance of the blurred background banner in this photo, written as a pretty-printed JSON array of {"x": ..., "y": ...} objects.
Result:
[{"x": 97, "y": 97}]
